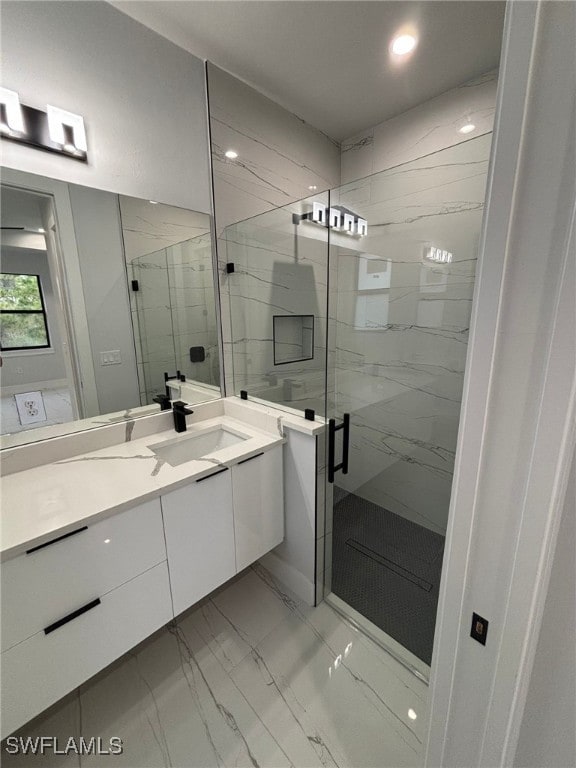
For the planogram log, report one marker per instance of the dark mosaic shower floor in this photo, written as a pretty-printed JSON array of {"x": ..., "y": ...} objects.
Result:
[{"x": 388, "y": 569}]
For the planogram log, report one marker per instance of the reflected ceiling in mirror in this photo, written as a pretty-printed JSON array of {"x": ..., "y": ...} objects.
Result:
[{"x": 101, "y": 297}]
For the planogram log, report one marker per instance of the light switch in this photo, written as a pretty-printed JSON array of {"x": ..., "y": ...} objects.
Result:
[{"x": 112, "y": 357}]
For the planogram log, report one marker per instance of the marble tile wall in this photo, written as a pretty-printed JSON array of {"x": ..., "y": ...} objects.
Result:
[
  {"x": 427, "y": 128},
  {"x": 398, "y": 355},
  {"x": 172, "y": 311},
  {"x": 280, "y": 157},
  {"x": 399, "y": 369},
  {"x": 280, "y": 270}
]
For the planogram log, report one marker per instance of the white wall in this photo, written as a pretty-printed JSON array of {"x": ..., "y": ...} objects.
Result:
[
  {"x": 142, "y": 99},
  {"x": 104, "y": 282},
  {"x": 547, "y": 734}
]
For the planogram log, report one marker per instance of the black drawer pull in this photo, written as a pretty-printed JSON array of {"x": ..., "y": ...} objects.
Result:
[
  {"x": 58, "y": 538},
  {"x": 251, "y": 457},
  {"x": 71, "y": 616},
  {"x": 224, "y": 469}
]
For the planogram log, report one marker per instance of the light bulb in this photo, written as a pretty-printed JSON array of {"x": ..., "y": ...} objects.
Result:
[
  {"x": 403, "y": 44},
  {"x": 467, "y": 128},
  {"x": 231, "y": 155}
]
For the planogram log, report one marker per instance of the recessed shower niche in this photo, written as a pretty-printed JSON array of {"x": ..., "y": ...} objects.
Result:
[{"x": 293, "y": 337}]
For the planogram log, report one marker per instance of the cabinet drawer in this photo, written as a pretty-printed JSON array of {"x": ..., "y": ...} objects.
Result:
[
  {"x": 50, "y": 582},
  {"x": 199, "y": 528},
  {"x": 258, "y": 494},
  {"x": 40, "y": 670}
]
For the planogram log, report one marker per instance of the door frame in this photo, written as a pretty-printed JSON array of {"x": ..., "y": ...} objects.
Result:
[
  {"x": 517, "y": 430},
  {"x": 67, "y": 284}
]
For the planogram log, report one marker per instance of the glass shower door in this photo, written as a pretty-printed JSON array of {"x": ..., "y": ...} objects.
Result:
[
  {"x": 277, "y": 296},
  {"x": 399, "y": 308}
]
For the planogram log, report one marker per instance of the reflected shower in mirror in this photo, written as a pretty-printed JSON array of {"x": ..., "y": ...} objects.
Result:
[
  {"x": 169, "y": 258},
  {"x": 100, "y": 297}
]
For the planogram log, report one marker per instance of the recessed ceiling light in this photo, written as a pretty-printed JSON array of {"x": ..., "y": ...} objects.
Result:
[
  {"x": 412, "y": 715},
  {"x": 467, "y": 128},
  {"x": 312, "y": 187},
  {"x": 231, "y": 155},
  {"x": 152, "y": 202},
  {"x": 403, "y": 44}
]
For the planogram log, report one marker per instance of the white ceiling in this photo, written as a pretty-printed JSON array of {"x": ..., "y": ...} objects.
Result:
[
  {"x": 328, "y": 61},
  {"x": 22, "y": 209}
]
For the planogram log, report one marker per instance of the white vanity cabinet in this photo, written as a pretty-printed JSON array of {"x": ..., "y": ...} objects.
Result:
[
  {"x": 199, "y": 529},
  {"x": 73, "y": 604},
  {"x": 258, "y": 497},
  {"x": 77, "y": 603}
]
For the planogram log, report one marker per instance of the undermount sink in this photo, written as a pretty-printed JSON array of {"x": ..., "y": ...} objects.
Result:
[{"x": 196, "y": 446}]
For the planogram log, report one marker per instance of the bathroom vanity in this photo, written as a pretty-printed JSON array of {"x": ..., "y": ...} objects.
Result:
[{"x": 102, "y": 547}]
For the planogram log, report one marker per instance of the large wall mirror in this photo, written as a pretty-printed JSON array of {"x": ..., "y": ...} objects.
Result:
[{"x": 101, "y": 297}]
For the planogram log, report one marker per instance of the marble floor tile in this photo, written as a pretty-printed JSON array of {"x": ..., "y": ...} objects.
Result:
[
  {"x": 252, "y": 677},
  {"x": 62, "y": 722},
  {"x": 305, "y": 693}
]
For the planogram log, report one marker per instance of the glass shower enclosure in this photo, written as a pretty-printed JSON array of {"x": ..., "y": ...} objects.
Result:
[
  {"x": 173, "y": 313},
  {"x": 356, "y": 303}
]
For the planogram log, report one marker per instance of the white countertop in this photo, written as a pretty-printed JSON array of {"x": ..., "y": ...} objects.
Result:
[{"x": 52, "y": 499}]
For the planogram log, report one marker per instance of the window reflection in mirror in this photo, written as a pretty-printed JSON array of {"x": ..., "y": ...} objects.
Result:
[{"x": 101, "y": 296}]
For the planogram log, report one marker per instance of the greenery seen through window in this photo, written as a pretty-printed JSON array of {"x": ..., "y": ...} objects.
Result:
[{"x": 22, "y": 314}]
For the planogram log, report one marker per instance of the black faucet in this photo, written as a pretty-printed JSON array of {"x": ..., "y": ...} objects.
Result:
[
  {"x": 163, "y": 401},
  {"x": 168, "y": 376},
  {"x": 180, "y": 411}
]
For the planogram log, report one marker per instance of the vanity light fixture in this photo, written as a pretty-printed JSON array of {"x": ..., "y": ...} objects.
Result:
[
  {"x": 437, "y": 255},
  {"x": 67, "y": 129},
  {"x": 12, "y": 119},
  {"x": 403, "y": 44},
  {"x": 55, "y": 130},
  {"x": 231, "y": 155},
  {"x": 335, "y": 217}
]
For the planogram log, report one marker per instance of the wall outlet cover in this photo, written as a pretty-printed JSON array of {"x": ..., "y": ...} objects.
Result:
[{"x": 30, "y": 407}]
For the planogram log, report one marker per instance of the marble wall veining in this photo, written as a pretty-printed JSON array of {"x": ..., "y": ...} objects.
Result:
[
  {"x": 396, "y": 356},
  {"x": 427, "y": 128},
  {"x": 280, "y": 158},
  {"x": 399, "y": 352},
  {"x": 172, "y": 311},
  {"x": 280, "y": 271}
]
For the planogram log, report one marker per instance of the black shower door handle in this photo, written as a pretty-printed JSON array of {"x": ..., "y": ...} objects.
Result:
[{"x": 332, "y": 429}]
